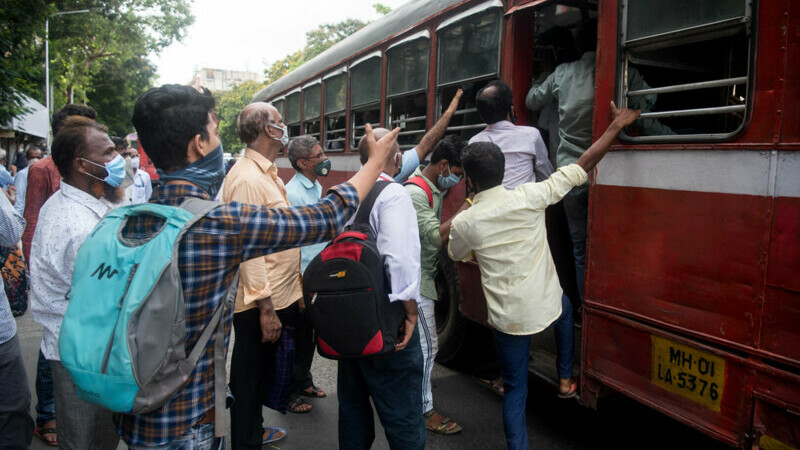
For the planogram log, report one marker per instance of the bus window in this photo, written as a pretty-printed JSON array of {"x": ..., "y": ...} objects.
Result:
[
  {"x": 686, "y": 64},
  {"x": 335, "y": 104},
  {"x": 278, "y": 104},
  {"x": 406, "y": 85},
  {"x": 365, "y": 96},
  {"x": 469, "y": 57},
  {"x": 292, "y": 117},
  {"x": 312, "y": 107}
]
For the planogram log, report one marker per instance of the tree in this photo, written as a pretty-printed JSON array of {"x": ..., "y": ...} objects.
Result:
[
  {"x": 317, "y": 41},
  {"x": 229, "y": 106},
  {"x": 116, "y": 87},
  {"x": 21, "y": 32}
]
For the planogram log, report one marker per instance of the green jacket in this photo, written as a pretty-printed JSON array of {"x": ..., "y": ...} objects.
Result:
[{"x": 428, "y": 221}]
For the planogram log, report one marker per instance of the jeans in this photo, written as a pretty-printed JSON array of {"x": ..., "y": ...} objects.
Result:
[
  {"x": 16, "y": 424},
  {"x": 81, "y": 425},
  {"x": 45, "y": 392},
  {"x": 394, "y": 382},
  {"x": 514, "y": 353},
  {"x": 199, "y": 437},
  {"x": 429, "y": 343},
  {"x": 576, "y": 206}
]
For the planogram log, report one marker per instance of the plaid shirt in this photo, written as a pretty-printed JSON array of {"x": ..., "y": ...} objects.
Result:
[{"x": 209, "y": 255}]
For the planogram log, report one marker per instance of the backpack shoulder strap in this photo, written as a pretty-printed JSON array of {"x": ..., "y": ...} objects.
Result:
[
  {"x": 421, "y": 183},
  {"x": 362, "y": 215}
]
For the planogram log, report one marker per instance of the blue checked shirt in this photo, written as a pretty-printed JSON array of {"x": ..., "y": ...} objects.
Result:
[{"x": 209, "y": 255}]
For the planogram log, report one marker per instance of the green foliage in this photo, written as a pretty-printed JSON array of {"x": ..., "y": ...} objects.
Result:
[
  {"x": 21, "y": 36},
  {"x": 228, "y": 107},
  {"x": 100, "y": 57},
  {"x": 317, "y": 41}
]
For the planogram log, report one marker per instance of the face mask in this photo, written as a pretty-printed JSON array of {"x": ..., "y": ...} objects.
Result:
[
  {"x": 207, "y": 172},
  {"x": 284, "y": 140},
  {"x": 448, "y": 181},
  {"x": 115, "y": 170},
  {"x": 323, "y": 168},
  {"x": 135, "y": 163}
]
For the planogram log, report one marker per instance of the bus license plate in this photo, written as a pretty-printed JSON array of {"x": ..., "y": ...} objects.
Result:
[{"x": 689, "y": 372}]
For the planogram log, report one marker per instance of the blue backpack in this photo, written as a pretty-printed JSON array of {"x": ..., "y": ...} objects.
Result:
[{"x": 123, "y": 336}]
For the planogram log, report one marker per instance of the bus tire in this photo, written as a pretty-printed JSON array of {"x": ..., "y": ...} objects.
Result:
[{"x": 450, "y": 324}]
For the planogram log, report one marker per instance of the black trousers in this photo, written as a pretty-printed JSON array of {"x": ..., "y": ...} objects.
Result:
[
  {"x": 252, "y": 370},
  {"x": 304, "y": 355},
  {"x": 16, "y": 423}
]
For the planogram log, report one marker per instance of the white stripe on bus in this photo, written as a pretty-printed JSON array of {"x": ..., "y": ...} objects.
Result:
[{"x": 762, "y": 173}]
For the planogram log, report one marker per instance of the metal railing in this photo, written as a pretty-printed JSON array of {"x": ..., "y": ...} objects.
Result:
[
  {"x": 694, "y": 112},
  {"x": 689, "y": 86}
]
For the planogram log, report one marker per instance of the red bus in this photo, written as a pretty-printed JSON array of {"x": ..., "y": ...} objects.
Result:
[{"x": 692, "y": 285}]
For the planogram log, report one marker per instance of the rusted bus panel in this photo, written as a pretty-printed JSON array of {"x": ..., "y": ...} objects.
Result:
[
  {"x": 784, "y": 255},
  {"x": 790, "y": 131},
  {"x": 776, "y": 417},
  {"x": 619, "y": 354},
  {"x": 684, "y": 259}
]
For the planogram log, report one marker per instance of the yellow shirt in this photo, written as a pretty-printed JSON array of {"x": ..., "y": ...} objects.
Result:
[
  {"x": 254, "y": 179},
  {"x": 506, "y": 231}
]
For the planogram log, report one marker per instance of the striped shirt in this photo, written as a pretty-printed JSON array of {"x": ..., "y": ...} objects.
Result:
[{"x": 208, "y": 257}]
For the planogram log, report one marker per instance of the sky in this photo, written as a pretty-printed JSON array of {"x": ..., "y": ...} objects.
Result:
[{"x": 243, "y": 34}]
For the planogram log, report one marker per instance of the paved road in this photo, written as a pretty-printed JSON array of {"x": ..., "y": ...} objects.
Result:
[{"x": 552, "y": 423}]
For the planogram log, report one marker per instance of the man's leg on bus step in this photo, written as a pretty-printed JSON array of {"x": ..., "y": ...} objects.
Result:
[
  {"x": 565, "y": 349},
  {"x": 514, "y": 353},
  {"x": 576, "y": 206}
]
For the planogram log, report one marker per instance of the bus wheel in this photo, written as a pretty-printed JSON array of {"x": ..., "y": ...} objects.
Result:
[{"x": 450, "y": 324}]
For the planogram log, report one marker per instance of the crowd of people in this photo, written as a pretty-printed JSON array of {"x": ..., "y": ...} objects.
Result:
[{"x": 268, "y": 232}]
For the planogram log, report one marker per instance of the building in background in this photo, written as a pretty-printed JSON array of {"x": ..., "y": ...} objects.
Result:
[{"x": 219, "y": 80}]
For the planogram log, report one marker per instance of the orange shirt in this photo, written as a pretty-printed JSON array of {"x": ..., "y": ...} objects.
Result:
[{"x": 254, "y": 179}]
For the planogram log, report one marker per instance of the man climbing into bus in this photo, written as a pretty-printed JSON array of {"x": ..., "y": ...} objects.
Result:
[
  {"x": 427, "y": 187},
  {"x": 571, "y": 88},
  {"x": 505, "y": 230}
]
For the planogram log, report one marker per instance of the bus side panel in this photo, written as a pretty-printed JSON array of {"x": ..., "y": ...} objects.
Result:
[
  {"x": 619, "y": 354},
  {"x": 780, "y": 333},
  {"x": 776, "y": 418},
  {"x": 681, "y": 259}
]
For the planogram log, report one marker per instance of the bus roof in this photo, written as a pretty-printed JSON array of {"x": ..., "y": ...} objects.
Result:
[{"x": 401, "y": 19}]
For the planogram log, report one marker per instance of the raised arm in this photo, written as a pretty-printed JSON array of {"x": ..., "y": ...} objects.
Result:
[
  {"x": 622, "y": 118},
  {"x": 379, "y": 152},
  {"x": 436, "y": 133}
]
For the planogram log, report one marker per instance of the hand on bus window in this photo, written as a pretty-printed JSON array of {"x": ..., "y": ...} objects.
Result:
[
  {"x": 623, "y": 117},
  {"x": 454, "y": 103}
]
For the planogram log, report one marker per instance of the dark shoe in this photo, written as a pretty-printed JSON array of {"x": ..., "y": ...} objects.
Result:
[
  {"x": 314, "y": 393},
  {"x": 295, "y": 406}
]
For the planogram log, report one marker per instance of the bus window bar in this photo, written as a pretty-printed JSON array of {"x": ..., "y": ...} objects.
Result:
[
  {"x": 316, "y": 135},
  {"x": 689, "y": 86},
  {"x": 466, "y": 127},
  {"x": 465, "y": 111},
  {"x": 694, "y": 112},
  {"x": 408, "y": 146},
  {"x": 338, "y": 130},
  {"x": 361, "y": 127},
  {"x": 408, "y": 133},
  {"x": 336, "y": 140},
  {"x": 410, "y": 119}
]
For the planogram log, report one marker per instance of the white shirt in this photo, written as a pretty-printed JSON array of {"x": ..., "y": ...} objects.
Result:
[
  {"x": 506, "y": 232},
  {"x": 21, "y": 183},
  {"x": 65, "y": 220},
  {"x": 523, "y": 149},
  {"x": 140, "y": 190},
  {"x": 393, "y": 220}
]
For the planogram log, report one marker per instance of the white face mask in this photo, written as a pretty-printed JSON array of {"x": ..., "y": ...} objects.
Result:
[
  {"x": 135, "y": 162},
  {"x": 284, "y": 140}
]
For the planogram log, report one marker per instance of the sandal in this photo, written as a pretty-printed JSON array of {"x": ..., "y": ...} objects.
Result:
[
  {"x": 272, "y": 432},
  {"x": 314, "y": 393},
  {"x": 495, "y": 385},
  {"x": 443, "y": 427},
  {"x": 571, "y": 392},
  {"x": 294, "y": 406},
  {"x": 42, "y": 432}
]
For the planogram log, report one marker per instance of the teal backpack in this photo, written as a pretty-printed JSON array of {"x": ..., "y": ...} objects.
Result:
[{"x": 123, "y": 336}]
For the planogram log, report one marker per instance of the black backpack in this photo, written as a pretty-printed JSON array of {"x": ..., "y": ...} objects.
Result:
[{"x": 346, "y": 291}]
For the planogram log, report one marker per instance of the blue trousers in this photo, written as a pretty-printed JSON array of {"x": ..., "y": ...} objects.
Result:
[
  {"x": 576, "y": 206},
  {"x": 394, "y": 381},
  {"x": 514, "y": 353},
  {"x": 45, "y": 392}
]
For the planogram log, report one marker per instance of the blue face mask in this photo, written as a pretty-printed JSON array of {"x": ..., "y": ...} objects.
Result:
[
  {"x": 115, "y": 170},
  {"x": 448, "y": 181},
  {"x": 207, "y": 172}
]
